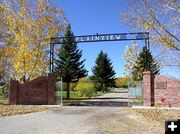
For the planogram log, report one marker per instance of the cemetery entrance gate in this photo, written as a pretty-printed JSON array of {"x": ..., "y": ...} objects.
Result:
[{"x": 99, "y": 38}]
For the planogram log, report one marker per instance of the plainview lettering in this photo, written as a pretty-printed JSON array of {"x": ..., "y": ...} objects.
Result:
[
  {"x": 100, "y": 38},
  {"x": 103, "y": 37}
]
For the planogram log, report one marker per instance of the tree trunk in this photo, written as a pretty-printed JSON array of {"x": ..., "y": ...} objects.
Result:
[
  {"x": 105, "y": 87},
  {"x": 102, "y": 88},
  {"x": 68, "y": 91}
]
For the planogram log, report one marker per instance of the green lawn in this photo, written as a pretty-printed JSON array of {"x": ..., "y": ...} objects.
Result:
[{"x": 75, "y": 95}]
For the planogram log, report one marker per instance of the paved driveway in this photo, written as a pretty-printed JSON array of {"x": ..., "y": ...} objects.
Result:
[
  {"x": 106, "y": 100},
  {"x": 77, "y": 120}
]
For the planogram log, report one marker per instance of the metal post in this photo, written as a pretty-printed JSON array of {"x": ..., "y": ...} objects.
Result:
[
  {"x": 9, "y": 92},
  {"x": 61, "y": 91},
  {"x": 148, "y": 44},
  {"x": 128, "y": 93},
  {"x": 148, "y": 63},
  {"x": 50, "y": 59},
  {"x": 53, "y": 58},
  {"x": 146, "y": 66}
]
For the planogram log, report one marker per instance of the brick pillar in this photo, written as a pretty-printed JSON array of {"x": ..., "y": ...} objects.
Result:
[
  {"x": 148, "y": 87},
  {"x": 51, "y": 90},
  {"x": 13, "y": 92}
]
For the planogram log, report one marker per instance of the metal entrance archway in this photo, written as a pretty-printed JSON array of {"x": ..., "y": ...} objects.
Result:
[{"x": 99, "y": 38}]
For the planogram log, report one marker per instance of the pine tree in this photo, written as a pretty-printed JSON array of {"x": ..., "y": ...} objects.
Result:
[
  {"x": 145, "y": 62},
  {"x": 69, "y": 64},
  {"x": 103, "y": 72}
]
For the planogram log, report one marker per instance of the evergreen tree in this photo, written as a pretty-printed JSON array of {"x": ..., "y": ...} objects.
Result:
[
  {"x": 145, "y": 62},
  {"x": 69, "y": 64},
  {"x": 103, "y": 72}
]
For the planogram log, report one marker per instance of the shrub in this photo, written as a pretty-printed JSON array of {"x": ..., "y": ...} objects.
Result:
[
  {"x": 109, "y": 89},
  {"x": 121, "y": 82},
  {"x": 73, "y": 86},
  {"x": 98, "y": 87},
  {"x": 85, "y": 89},
  {"x": 84, "y": 79},
  {"x": 4, "y": 91}
]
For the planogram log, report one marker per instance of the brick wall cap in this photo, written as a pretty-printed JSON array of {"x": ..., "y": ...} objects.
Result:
[{"x": 147, "y": 73}]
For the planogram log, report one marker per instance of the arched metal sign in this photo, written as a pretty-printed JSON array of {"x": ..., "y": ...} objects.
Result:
[
  {"x": 97, "y": 38},
  {"x": 104, "y": 37}
]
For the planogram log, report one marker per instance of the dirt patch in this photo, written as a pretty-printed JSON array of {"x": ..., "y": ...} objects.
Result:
[
  {"x": 130, "y": 123},
  {"x": 155, "y": 116},
  {"x": 8, "y": 110}
]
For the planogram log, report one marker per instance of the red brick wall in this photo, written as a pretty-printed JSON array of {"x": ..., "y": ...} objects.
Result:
[
  {"x": 160, "y": 90},
  {"x": 148, "y": 88},
  {"x": 170, "y": 91},
  {"x": 38, "y": 91}
]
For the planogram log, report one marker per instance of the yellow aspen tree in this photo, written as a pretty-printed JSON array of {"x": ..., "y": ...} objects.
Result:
[
  {"x": 159, "y": 17},
  {"x": 29, "y": 25}
]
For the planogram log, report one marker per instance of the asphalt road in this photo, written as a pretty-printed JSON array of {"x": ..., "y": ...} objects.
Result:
[{"x": 90, "y": 119}]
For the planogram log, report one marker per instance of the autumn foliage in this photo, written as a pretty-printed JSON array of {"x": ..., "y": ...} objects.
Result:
[
  {"x": 121, "y": 82},
  {"x": 26, "y": 30}
]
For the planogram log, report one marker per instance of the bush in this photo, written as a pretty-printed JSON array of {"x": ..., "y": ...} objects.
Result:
[
  {"x": 109, "y": 90},
  {"x": 121, "y": 82},
  {"x": 73, "y": 86},
  {"x": 4, "y": 91},
  {"x": 85, "y": 89},
  {"x": 98, "y": 87}
]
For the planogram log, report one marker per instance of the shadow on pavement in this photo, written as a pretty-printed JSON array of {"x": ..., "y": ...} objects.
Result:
[
  {"x": 105, "y": 98},
  {"x": 99, "y": 103}
]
